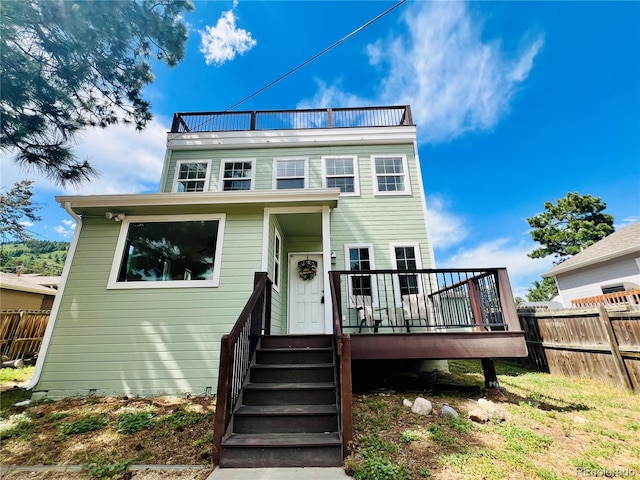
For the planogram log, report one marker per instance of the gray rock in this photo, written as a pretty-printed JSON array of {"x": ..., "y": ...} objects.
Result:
[
  {"x": 422, "y": 406},
  {"x": 447, "y": 412},
  {"x": 407, "y": 403}
]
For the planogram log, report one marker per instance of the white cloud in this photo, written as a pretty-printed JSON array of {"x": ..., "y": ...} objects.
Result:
[
  {"x": 128, "y": 161},
  {"x": 446, "y": 228},
  {"x": 66, "y": 229},
  {"x": 502, "y": 252},
  {"x": 221, "y": 43},
  {"x": 455, "y": 80},
  {"x": 26, "y": 223}
]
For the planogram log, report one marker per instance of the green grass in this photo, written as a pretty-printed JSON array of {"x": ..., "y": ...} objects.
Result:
[
  {"x": 131, "y": 422},
  {"x": 11, "y": 375},
  {"x": 87, "y": 423}
]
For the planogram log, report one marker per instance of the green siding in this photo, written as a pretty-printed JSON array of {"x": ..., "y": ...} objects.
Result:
[{"x": 145, "y": 341}]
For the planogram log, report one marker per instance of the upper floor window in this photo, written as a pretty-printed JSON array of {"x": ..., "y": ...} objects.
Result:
[
  {"x": 168, "y": 252},
  {"x": 237, "y": 174},
  {"x": 341, "y": 172},
  {"x": 391, "y": 174},
  {"x": 290, "y": 173},
  {"x": 191, "y": 176}
]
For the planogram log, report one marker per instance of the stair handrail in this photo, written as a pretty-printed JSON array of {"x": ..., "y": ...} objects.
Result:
[
  {"x": 236, "y": 352},
  {"x": 342, "y": 344}
]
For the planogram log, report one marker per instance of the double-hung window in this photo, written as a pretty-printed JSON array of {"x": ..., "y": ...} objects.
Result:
[
  {"x": 407, "y": 257},
  {"x": 341, "y": 172},
  {"x": 290, "y": 173},
  {"x": 157, "y": 252},
  {"x": 192, "y": 176},
  {"x": 237, "y": 175},
  {"x": 359, "y": 258},
  {"x": 391, "y": 175}
]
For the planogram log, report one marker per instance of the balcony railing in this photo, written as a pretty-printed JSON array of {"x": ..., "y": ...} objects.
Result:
[
  {"x": 388, "y": 116},
  {"x": 423, "y": 301},
  {"x": 628, "y": 297}
]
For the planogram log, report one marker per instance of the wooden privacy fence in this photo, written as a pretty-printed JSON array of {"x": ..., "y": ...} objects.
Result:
[
  {"x": 21, "y": 332},
  {"x": 602, "y": 343}
]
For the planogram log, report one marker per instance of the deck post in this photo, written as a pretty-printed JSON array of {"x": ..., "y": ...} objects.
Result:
[{"x": 490, "y": 376}]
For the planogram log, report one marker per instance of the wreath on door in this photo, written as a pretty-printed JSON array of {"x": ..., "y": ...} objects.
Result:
[{"x": 307, "y": 269}]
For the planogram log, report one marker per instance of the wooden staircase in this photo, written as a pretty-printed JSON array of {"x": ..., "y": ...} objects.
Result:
[{"x": 287, "y": 413}]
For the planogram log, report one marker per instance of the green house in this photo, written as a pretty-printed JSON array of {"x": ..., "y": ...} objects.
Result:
[{"x": 282, "y": 247}]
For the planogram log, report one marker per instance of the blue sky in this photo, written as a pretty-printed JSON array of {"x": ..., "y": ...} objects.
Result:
[{"x": 516, "y": 103}]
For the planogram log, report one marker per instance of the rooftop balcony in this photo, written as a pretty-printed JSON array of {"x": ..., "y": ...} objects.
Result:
[{"x": 197, "y": 122}]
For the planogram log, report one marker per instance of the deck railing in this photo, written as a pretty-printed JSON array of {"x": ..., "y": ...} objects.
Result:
[
  {"x": 387, "y": 116},
  {"x": 629, "y": 297},
  {"x": 423, "y": 301},
  {"x": 236, "y": 351}
]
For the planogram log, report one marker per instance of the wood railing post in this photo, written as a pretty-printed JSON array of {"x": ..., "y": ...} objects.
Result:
[
  {"x": 346, "y": 393},
  {"x": 222, "y": 397}
]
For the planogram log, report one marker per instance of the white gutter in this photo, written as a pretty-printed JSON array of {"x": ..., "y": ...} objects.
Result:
[{"x": 58, "y": 299}]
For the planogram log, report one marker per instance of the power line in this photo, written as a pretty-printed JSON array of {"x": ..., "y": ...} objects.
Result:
[{"x": 317, "y": 55}]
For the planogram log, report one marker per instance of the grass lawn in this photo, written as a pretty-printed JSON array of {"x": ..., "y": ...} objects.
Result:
[{"x": 553, "y": 428}]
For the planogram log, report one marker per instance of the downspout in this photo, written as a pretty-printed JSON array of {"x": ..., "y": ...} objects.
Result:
[{"x": 58, "y": 299}]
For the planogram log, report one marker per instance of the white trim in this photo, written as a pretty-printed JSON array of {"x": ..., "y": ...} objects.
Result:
[
  {"x": 423, "y": 200},
  {"x": 394, "y": 259},
  {"x": 275, "y": 177},
  {"x": 277, "y": 258},
  {"x": 347, "y": 266},
  {"x": 165, "y": 171},
  {"x": 55, "y": 308},
  {"x": 207, "y": 178},
  {"x": 405, "y": 173},
  {"x": 299, "y": 138},
  {"x": 205, "y": 198},
  {"x": 356, "y": 173},
  {"x": 326, "y": 254},
  {"x": 124, "y": 228},
  {"x": 252, "y": 179}
]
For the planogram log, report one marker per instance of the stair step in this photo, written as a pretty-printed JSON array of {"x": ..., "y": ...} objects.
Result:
[
  {"x": 286, "y": 419},
  {"x": 282, "y": 450},
  {"x": 296, "y": 341},
  {"x": 289, "y": 393},
  {"x": 294, "y": 355},
  {"x": 292, "y": 372}
]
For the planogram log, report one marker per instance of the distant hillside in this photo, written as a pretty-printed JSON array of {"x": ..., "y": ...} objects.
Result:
[{"x": 34, "y": 256}]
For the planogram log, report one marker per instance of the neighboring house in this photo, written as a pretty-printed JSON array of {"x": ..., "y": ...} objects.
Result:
[
  {"x": 27, "y": 292},
  {"x": 608, "y": 266},
  {"x": 153, "y": 281}
]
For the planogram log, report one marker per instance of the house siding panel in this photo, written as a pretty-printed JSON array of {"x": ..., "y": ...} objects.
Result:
[{"x": 145, "y": 341}]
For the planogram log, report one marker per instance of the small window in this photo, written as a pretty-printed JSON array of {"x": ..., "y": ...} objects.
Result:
[
  {"x": 341, "y": 172},
  {"x": 290, "y": 173},
  {"x": 390, "y": 175},
  {"x": 154, "y": 252},
  {"x": 612, "y": 289},
  {"x": 237, "y": 175},
  {"x": 191, "y": 176},
  {"x": 277, "y": 259}
]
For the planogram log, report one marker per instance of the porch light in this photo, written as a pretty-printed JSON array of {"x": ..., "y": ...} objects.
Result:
[{"x": 334, "y": 258}]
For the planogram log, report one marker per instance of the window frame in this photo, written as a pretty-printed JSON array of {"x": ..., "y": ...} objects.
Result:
[
  {"x": 275, "y": 172},
  {"x": 114, "y": 284},
  {"x": 394, "y": 258},
  {"x": 372, "y": 266},
  {"x": 356, "y": 173},
  {"x": 207, "y": 180},
  {"x": 277, "y": 259},
  {"x": 252, "y": 179},
  {"x": 405, "y": 174}
]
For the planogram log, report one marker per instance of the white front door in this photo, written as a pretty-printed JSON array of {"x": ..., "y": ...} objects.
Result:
[{"x": 306, "y": 296}]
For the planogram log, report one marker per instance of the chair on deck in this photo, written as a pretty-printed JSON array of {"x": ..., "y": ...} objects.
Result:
[
  {"x": 414, "y": 309},
  {"x": 369, "y": 316}
]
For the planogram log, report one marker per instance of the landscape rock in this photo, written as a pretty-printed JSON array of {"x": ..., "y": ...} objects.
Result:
[
  {"x": 579, "y": 420},
  {"x": 422, "y": 406},
  {"x": 479, "y": 415},
  {"x": 447, "y": 412},
  {"x": 407, "y": 403}
]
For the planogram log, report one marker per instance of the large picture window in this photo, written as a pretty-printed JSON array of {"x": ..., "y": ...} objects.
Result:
[{"x": 154, "y": 252}]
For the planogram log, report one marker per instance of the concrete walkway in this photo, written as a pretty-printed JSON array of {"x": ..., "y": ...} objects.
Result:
[{"x": 293, "y": 473}]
